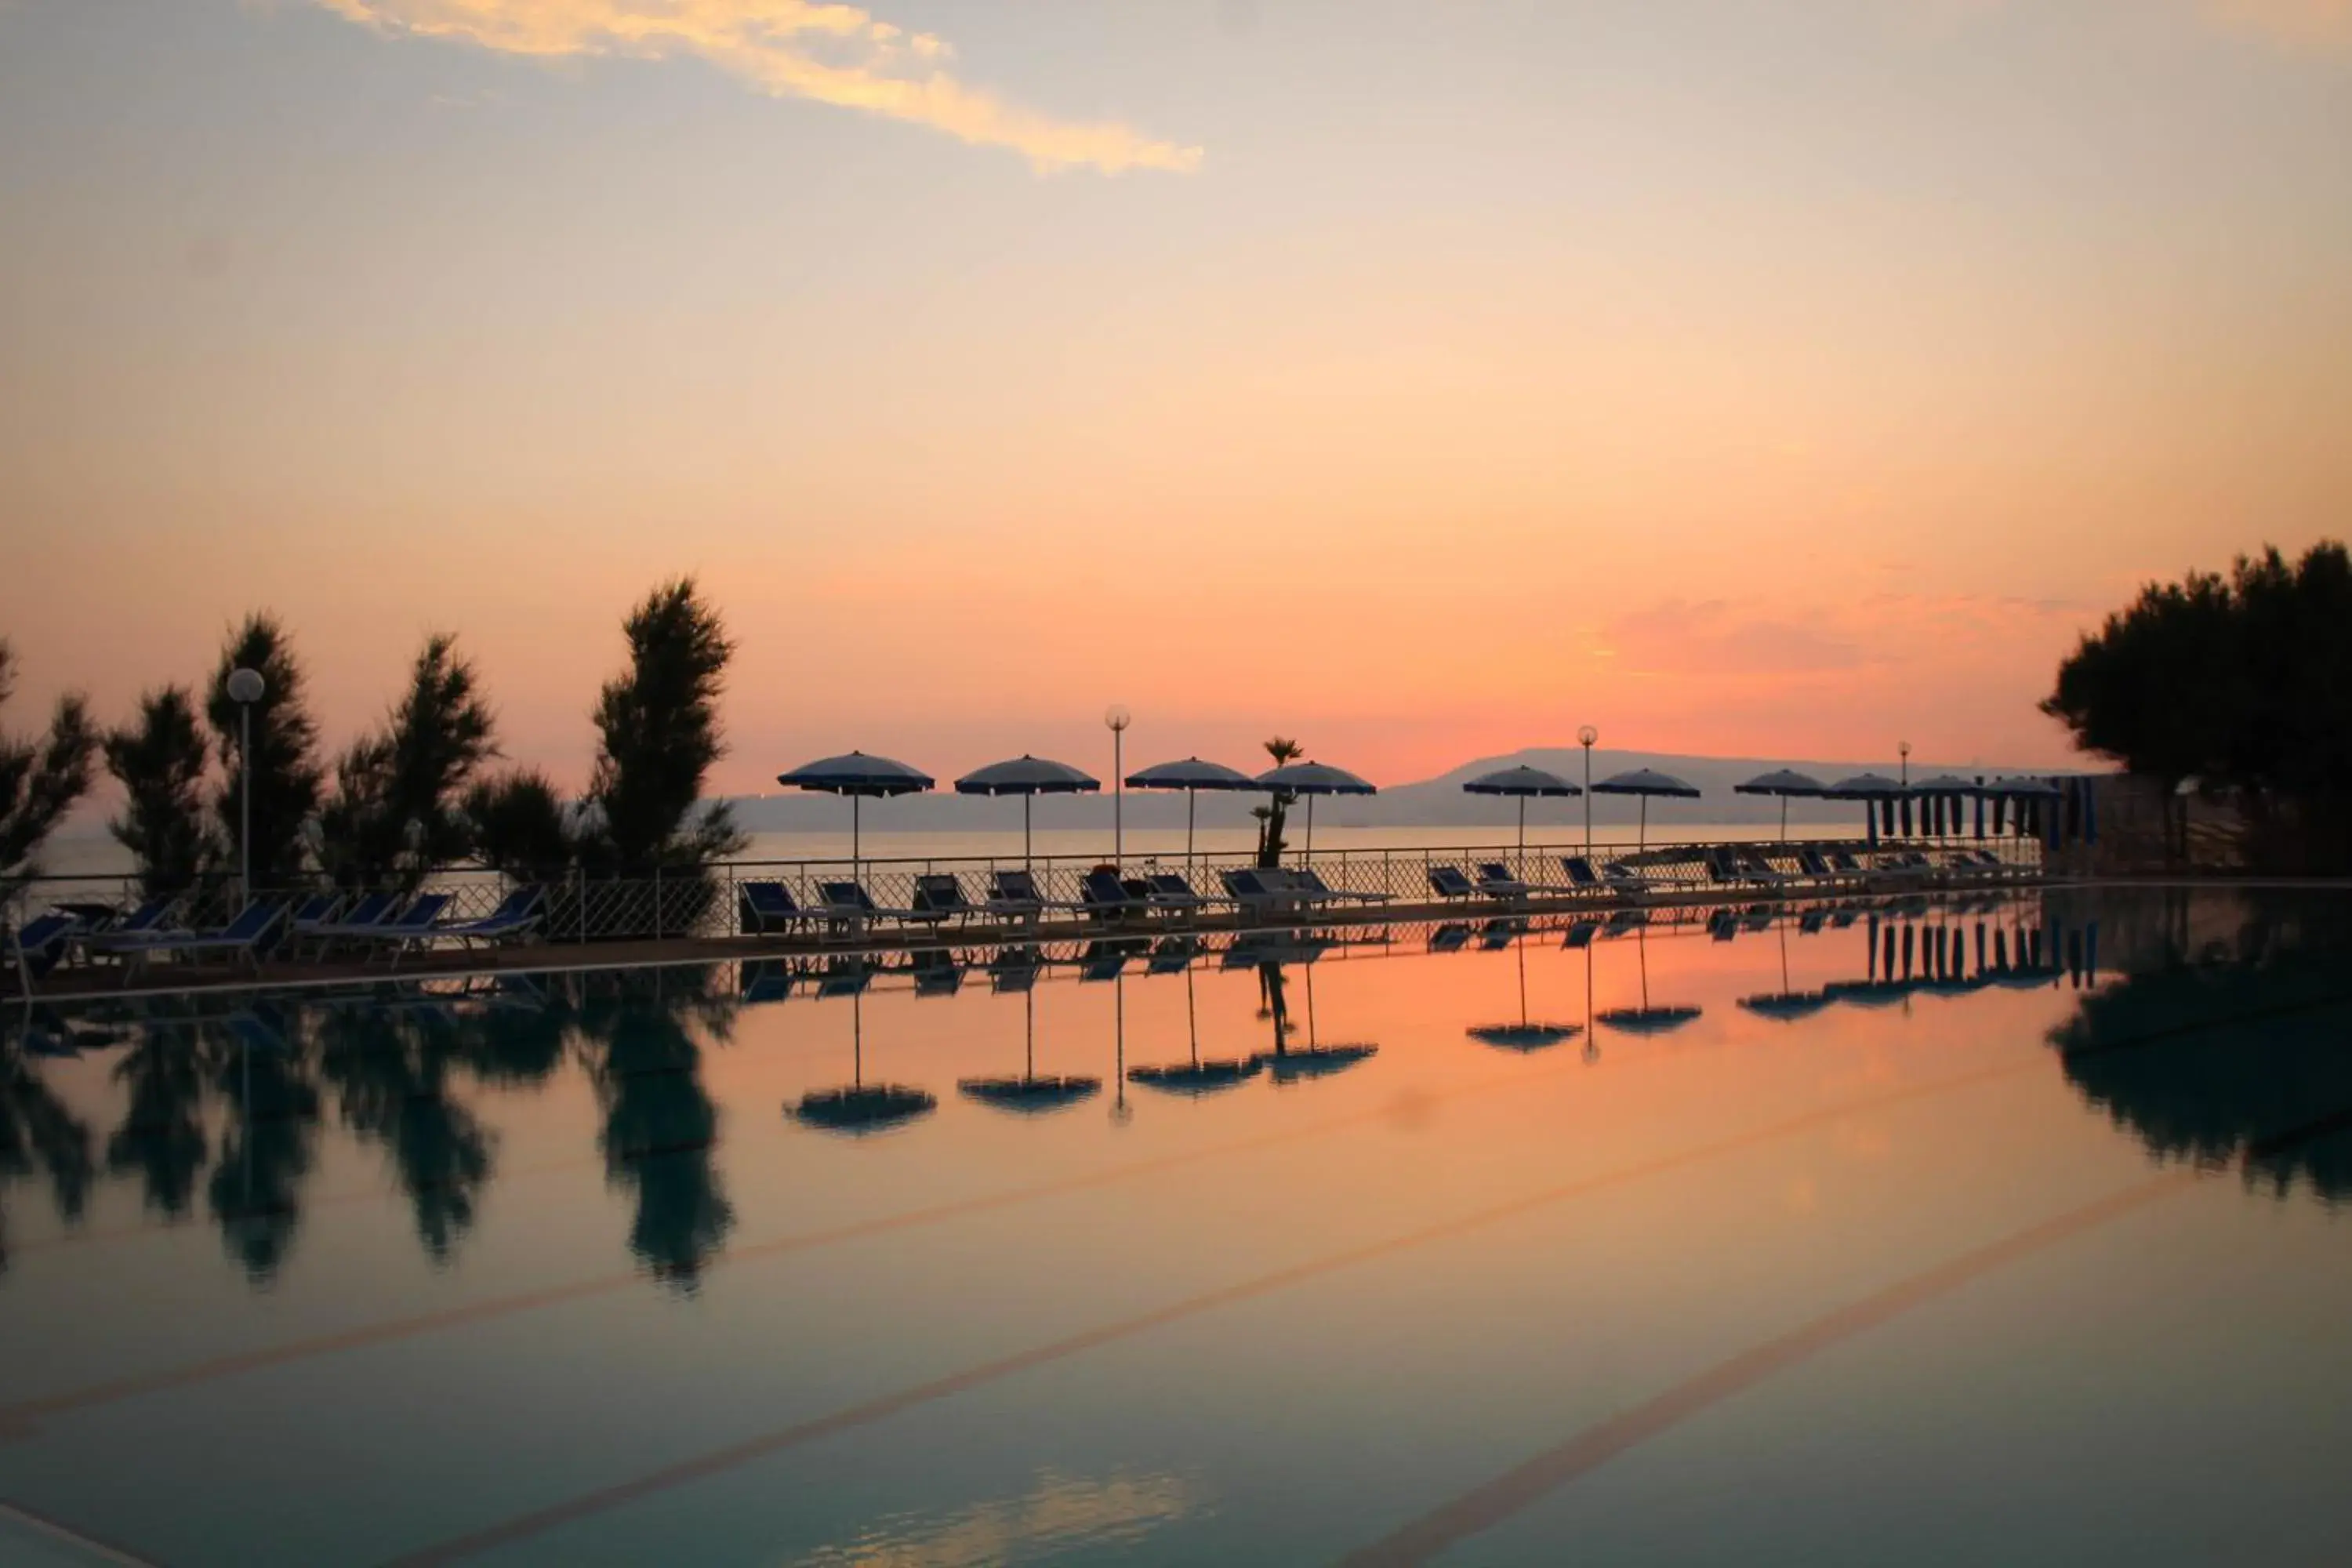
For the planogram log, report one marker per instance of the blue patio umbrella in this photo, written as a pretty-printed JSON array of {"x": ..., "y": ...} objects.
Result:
[
  {"x": 1645, "y": 783},
  {"x": 1309, "y": 779},
  {"x": 1191, "y": 776},
  {"x": 858, "y": 777},
  {"x": 1874, "y": 790},
  {"x": 1522, "y": 783},
  {"x": 1027, "y": 777},
  {"x": 1786, "y": 783}
]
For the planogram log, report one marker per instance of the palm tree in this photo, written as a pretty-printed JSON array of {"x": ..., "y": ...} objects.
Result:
[{"x": 1271, "y": 816}]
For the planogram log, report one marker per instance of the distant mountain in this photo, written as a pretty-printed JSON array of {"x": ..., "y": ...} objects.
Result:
[{"x": 1429, "y": 802}]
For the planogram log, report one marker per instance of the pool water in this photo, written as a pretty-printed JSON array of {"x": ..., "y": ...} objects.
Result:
[{"x": 1997, "y": 1230}]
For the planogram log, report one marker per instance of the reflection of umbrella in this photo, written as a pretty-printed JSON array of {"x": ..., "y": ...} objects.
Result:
[
  {"x": 1191, "y": 776},
  {"x": 1196, "y": 1076},
  {"x": 1523, "y": 1036},
  {"x": 1029, "y": 1093},
  {"x": 1645, "y": 783},
  {"x": 1313, "y": 1059},
  {"x": 1788, "y": 784},
  {"x": 1311, "y": 779},
  {"x": 1523, "y": 785},
  {"x": 1785, "y": 1006},
  {"x": 858, "y": 1107},
  {"x": 1646, "y": 1019},
  {"x": 1027, "y": 777},
  {"x": 1870, "y": 789},
  {"x": 856, "y": 775}
]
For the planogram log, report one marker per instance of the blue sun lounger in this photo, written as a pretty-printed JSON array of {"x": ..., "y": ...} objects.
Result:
[
  {"x": 1448, "y": 882},
  {"x": 940, "y": 895},
  {"x": 412, "y": 925},
  {"x": 1106, "y": 897},
  {"x": 1310, "y": 881},
  {"x": 763, "y": 909},
  {"x": 1495, "y": 880},
  {"x": 257, "y": 927},
  {"x": 365, "y": 917},
  {"x": 518, "y": 915},
  {"x": 39, "y": 944}
]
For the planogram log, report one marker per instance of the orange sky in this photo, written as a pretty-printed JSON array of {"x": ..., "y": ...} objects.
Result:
[{"x": 1736, "y": 379}]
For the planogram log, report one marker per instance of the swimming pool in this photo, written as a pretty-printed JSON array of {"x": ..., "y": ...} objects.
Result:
[{"x": 1991, "y": 1230}]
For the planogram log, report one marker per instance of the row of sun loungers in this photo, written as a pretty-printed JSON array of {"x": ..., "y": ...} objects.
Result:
[
  {"x": 1738, "y": 866},
  {"x": 378, "y": 923}
]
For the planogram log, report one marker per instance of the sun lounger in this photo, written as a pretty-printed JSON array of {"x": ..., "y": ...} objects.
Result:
[
  {"x": 1448, "y": 882},
  {"x": 764, "y": 908},
  {"x": 1310, "y": 881},
  {"x": 256, "y": 928},
  {"x": 364, "y": 919},
  {"x": 938, "y": 896},
  {"x": 1015, "y": 895},
  {"x": 40, "y": 943},
  {"x": 848, "y": 903},
  {"x": 1261, "y": 891},
  {"x": 1172, "y": 894},
  {"x": 412, "y": 925},
  {"x": 1495, "y": 880},
  {"x": 518, "y": 915},
  {"x": 1103, "y": 896}
]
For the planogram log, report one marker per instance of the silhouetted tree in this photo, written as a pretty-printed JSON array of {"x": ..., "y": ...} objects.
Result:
[
  {"x": 41, "y": 780},
  {"x": 2242, "y": 683},
  {"x": 1272, "y": 815},
  {"x": 395, "y": 813},
  {"x": 518, "y": 825},
  {"x": 285, "y": 764},
  {"x": 159, "y": 759},
  {"x": 658, "y": 734}
]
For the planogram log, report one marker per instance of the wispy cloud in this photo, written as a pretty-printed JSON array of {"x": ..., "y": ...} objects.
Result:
[{"x": 834, "y": 54}]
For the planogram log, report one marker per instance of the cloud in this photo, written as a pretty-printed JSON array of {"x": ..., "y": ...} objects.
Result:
[
  {"x": 1713, "y": 638},
  {"x": 2323, "y": 24},
  {"x": 834, "y": 54}
]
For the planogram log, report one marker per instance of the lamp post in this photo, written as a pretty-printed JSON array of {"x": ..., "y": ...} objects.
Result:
[
  {"x": 1585, "y": 736},
  {"x": 245, "y": 688},
  {"x": 1119, "y": 719}
]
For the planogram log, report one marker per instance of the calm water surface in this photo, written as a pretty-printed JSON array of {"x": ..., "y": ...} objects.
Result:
[{"x": 1994, "y": 1232}]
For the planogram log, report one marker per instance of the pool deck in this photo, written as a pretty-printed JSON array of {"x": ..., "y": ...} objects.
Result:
[{"x": 82, "y": 981}]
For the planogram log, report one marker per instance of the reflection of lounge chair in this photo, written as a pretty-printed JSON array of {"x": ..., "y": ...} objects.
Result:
[
  {"x": 1174, "y": 954},
  {"x": 764, "y": 908},
  {"x": 1015, "y": 968},
  {"x": 1448, "y": 882},
  {"x": 936, "y": 972},
  {"x": 1451, "y": 937},
  {"x": 1495, "y": 880},
  {"x": 766, "y": 981}
]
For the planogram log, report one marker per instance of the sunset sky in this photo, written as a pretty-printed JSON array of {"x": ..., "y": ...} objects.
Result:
[{"x": 1759, "y": 376}]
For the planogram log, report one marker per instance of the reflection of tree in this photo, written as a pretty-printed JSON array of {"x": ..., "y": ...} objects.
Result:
[
  {"x": 162, "y": 1138},
  {"x": 660, "y": 1125},
  {"x": 39, "y": 1136},
  {"x": 390, "y": 1073},
  {"x": 2205, "y": 1063},
  {"x": 266, "y": 1150}
]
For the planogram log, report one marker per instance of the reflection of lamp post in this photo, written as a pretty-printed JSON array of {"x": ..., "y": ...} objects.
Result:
[
  {"x": 1585, "y": 736},
  {"x": 1119, "y": 719},
  {"x": 1902, "y": 750},
  {"x": 244, "y": 688}
]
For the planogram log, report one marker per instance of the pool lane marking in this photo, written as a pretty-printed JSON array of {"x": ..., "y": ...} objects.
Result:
[
  {"x": 1515, "y": 1490},
  {"x": 850, "y": 1417},
  {"x": 15, "y": 1419},
  {"x": 42, "y": 1524}
]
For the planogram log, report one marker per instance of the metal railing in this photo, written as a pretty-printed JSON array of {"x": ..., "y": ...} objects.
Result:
[{"x": 708, "y": 902}]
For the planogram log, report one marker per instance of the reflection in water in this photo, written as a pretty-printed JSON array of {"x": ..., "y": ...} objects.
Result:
[
  {"x": 2205, "y": 1060},
  {"x": 39, "y": 1136},
  {"x": 660, "y": 1124},
  {"x": 225, "y": 1093},
  {"x": 1060, "y": 1515}
]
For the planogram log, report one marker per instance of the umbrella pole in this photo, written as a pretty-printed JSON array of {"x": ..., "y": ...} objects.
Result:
[
  {"x": 1025, "y": 857},
  {"x": 1522, "y": 867},
  {"x": 1306, "y": 856},
  {"x": 1784, "y": 819},
  {"x": 856, "y": 804},
  {"x": 1191, "y": 804},
  {"x": 1642, "y": 836}
]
